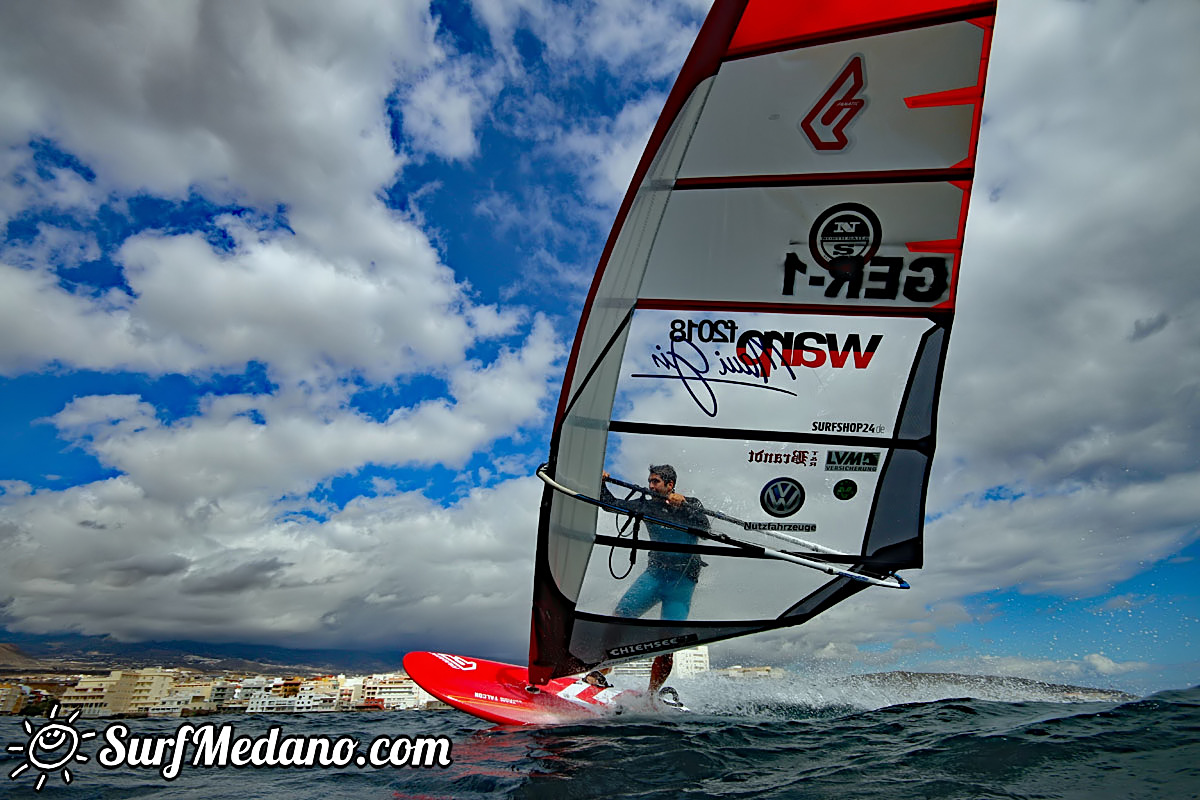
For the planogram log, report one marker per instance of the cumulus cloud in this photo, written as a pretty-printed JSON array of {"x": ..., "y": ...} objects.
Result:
[
  {"x": 631, "y": 39},
  {"x": 283, "y": 108},
  {"x": 376, "y": 571},
  {"x": 442, "y": 110},
  {"x": 1104, "y": 665},
  {"x": 273, "y": 101},
  {"x": 608, "y": 154},
  {"x": 303, "y": 436}
]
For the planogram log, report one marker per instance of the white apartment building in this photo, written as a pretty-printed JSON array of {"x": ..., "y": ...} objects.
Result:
[
  {"x": 267, "y": 703},
  {"x": 394, "y": 690},
  {"x": 321, "y": 694},
  {"x": 249, "y": 687},
  {"x": 133, "y": 691},
  {"x": 188, "y": 696},
  {"x": 309, "y": 702},
  {"x": 90, "y": 696},
  {"x": 222, "y": 693},
  {"x": 350, "y": 692},
  {"x": 691, "y": 662},
  {"x": 11, "y": 698},
  {"x": 150, "y": 687},
  {"x": 176, "y": 703}
]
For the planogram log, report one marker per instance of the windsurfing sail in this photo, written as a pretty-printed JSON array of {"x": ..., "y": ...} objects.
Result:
[{"x": 770, "y": 316}]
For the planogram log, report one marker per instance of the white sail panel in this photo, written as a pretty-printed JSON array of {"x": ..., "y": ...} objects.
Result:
[
  {"x": 582, "y": 435},
  {"x": 772, "y": 245},
  {"x": 752, "y": 121},
  {"x": 807, "y": 373}
]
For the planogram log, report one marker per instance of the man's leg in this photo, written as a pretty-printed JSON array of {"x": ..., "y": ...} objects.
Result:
[
  {"x": 640, "y": 597},
  {"x": 677, "y": 602},
  {"x": 677, "y": 598},
  {"x": 660, "y": 670}
]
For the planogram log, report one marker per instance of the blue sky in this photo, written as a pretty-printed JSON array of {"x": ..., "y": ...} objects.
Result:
[{"x": 286, "y": 291}]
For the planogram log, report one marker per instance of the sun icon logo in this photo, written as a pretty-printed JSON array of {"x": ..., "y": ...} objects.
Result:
[{"x": 52, "y": 747}]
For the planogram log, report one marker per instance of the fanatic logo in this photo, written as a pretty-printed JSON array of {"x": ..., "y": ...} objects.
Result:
[{"x": 825, "y": 125}]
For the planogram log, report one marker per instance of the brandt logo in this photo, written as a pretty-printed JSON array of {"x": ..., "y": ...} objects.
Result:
[{"x": 825, "y": 125}]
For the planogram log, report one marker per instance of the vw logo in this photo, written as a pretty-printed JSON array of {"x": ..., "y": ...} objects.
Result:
[{"x": 782, "y": 497}]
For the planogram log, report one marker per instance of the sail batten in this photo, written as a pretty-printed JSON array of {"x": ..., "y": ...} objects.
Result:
[
  {"x": 940, "y": 175},
  {"x": 771, "y": 316}
]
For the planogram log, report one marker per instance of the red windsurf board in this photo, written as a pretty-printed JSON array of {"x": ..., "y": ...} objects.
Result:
[{"x": 501, "y": 692}]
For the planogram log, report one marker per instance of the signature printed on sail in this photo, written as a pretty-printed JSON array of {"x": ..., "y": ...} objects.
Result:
[{"x": 697, "y": 374}]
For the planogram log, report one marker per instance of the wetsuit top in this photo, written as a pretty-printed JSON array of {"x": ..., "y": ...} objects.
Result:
[{"x": 691, "y": 513}]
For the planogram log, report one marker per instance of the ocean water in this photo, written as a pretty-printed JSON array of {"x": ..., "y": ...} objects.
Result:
[{"x": 740, "y": 742}]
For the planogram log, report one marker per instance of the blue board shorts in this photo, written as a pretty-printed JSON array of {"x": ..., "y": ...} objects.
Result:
[{"x": 673, "y": 588}]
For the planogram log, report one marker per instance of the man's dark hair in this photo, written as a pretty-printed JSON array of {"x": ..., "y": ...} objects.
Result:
[{"x": 664, "y": 471}]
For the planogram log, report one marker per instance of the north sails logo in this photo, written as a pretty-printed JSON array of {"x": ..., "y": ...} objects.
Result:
[
  {"x": 844, "y": 237},
  {"x": 825, "y": 125}
]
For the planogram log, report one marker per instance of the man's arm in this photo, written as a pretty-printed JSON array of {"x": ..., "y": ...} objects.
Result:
[
  {"x": 633, "y": 505},
  {"x": 605, "y": 495},
  {"x": 695, "y": 513}
]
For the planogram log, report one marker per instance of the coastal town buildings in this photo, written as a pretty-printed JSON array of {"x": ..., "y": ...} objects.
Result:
[{"x": 160, "y": 692}]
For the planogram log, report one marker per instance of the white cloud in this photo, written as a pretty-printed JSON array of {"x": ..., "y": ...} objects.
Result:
[
  {"x": 1092, "y": 667},
  {"x": 41, "y": 322},
  {"x": 377, "y": 571},
  {"x": 273, "y": 101},
  {"x": 287, "y": 304},
  {"x": 1104, "y": 665},
  {"x": 607, "y": 154},
  {"x": 64, "y": 190},
  {"x": 633, "y": 39},
  {"x": 381, "y": 305},
  {"x": 274, "y": 105},
  {"x": 307, "y": 435},
  {"x": 645, "y": 38},
  {"x": 443, "y": 108},
  {"x": 1079, "y": 235},
  {"x": 269, "y": 103}
]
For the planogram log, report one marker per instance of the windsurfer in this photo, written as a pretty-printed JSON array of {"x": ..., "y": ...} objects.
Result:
[{"x": 669, "y": 578}]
